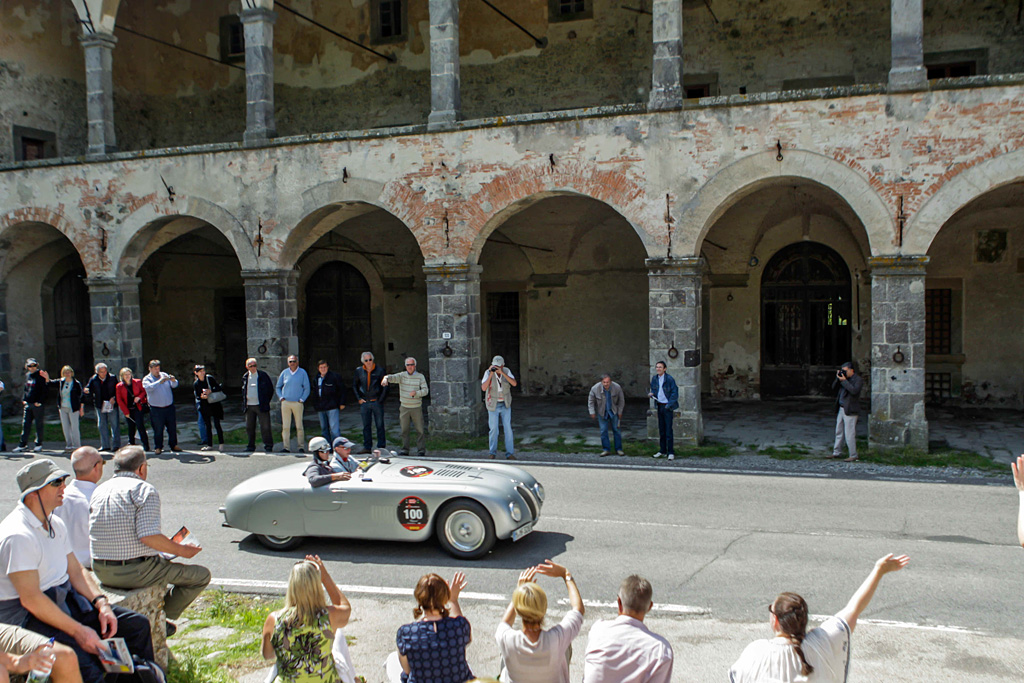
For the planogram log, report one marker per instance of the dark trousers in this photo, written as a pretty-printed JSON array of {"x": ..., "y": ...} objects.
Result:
[
  {"x": 131, "y": 626},
  {"x": 372, "y": 410},
  {"x": 32, "y": 413},
  {"x": 251, "y": 413},
  {"x": 137, "y": 422},
  {"x": 164, "y": 417},
  {"x": 211, "y": 422},
  {"x": 667, "y": 439}
]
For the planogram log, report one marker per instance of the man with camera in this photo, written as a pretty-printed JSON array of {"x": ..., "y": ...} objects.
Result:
[
  {"x": 497, "y": 386},
  {"x": 848, "y": 402}
]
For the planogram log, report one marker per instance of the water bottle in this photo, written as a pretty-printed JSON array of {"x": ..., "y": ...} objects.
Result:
[{"x": 39, "y": 675}]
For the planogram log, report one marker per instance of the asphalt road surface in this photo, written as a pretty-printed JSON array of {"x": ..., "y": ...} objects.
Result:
[{"x": 716, "y": 547}]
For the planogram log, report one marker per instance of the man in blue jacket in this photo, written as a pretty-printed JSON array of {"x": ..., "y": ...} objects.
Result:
[
  {"x": 293, "y": 390},
  {"x": 257, "y": 390},
  {"x": 665, "y": 393},
  {"x": 328, "y": 397}
]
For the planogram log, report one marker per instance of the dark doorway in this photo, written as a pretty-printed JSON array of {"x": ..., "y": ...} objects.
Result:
[
  {"x": 805, "y": 320},
  {"x": 73, "y": 324},
  {"x": 234, "y": 339},
  {"x": 503, "y": 329},
  {"x": 337, "y": 316}
]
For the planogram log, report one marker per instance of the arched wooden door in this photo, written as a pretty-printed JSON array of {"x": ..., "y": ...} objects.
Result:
[
  {"x": 72, "y": 325},
  {"x": 337, "y": 317},
  {"x": 805, "y": 320}
]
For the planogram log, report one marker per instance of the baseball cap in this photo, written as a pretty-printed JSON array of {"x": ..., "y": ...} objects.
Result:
[
  {"x": 498, "y": 360},
  {"x": 343, "y": 442}
]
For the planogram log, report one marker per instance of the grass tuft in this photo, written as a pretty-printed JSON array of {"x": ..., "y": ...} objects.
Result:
[{"x": 787, "y": 452}]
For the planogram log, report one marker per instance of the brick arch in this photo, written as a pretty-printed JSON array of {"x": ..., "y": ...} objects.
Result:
[
  {"x": 508, "y": 194},
  {"x": 87, "y": 245},
  {"x": 132, "y": 243},
  {"x": 742, "y": 178},
  {"x": 955, "y": 193}
]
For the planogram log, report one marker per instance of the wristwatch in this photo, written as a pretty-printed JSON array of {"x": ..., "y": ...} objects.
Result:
[
  {"x": 568, "y": 577},
  {"x": 93, "y": 601}
]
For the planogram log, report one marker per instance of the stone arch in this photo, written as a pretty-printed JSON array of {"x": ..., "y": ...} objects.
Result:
[
  {"x": 522, "y": 187},
  {"x": 954, "y": 194},
  {"x": 87, "y": 246},
  {"x": 741, "y": 178},
  {"x": 137, "y": 237}
]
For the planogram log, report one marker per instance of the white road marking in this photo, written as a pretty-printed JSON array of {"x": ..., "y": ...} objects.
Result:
[{"x": 908, "y": 625}]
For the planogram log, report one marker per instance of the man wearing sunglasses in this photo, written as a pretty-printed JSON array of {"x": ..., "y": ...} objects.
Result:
[{"x": 34, "y": 400}]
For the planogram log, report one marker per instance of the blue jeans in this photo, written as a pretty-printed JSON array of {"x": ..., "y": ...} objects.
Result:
[
  {"x": 109, "y": 425},
  {"x": 202, "y": 427},
  {"x": 330, "y": 424},
  {"x": 503, "y": 413},
  {"x": 613, "y": 422},
  {"x": 164, "y": 417},
  {"x": 667, "y": 439},
  {"x": 372, "y": 411}
]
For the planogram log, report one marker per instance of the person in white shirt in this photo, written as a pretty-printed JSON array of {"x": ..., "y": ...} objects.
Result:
[
  {"x": 1018, "y": 479},
  {"x": 624, "y": 650},
  {"x": 87, "y": 464},
  {"x": 821, "y": 655},
  {"x": 536, "y": 655}
]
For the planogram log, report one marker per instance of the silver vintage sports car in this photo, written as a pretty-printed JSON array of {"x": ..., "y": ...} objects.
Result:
[{"x": 468, "y": 506}]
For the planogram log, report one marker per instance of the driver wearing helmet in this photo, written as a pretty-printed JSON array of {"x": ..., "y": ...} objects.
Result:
[{"x": 319, "y": 473}]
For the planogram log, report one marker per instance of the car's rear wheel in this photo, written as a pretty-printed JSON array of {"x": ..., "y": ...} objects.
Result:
[
  {"x": 279, "y": 542},
  {"x": 465, "y": 529}
]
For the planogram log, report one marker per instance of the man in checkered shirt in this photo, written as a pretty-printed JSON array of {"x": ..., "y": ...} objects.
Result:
[{"x": 126, "y": 540}]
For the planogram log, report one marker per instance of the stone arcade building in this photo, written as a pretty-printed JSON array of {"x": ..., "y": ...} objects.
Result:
[{"x": 752, "y": 192}]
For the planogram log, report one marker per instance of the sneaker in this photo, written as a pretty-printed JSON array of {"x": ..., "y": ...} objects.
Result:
[
  {"x": 285, "y": 450},
  {"x": 171, "y": 629},
  {"x": 205, "y": 448},
  {"x": 220, "y": 448},
  {"x": 658, "y": 454},
  {"x": 158, "y": 451},
  {"x": 671, "y": 456},
  {"x": 38, "y": 448},
  {"x": 604, "y": 453},
  {"x": 20, "y": 449},
  {"x": 619, "y": 453}
]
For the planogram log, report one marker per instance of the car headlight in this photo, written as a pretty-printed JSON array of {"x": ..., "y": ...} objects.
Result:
[
  {"x": 513, "y": 509},
  {"x": 539, "y": 490}
]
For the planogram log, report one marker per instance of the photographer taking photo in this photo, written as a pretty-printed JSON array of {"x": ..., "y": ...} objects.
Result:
[
  {"x": 496, "y": 385},
  {"x": 848, "y": 402}
]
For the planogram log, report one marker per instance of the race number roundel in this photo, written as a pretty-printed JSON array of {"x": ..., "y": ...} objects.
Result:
[
  {"x": 415, "y": 471},
  {"x": 413, "y": 513}
]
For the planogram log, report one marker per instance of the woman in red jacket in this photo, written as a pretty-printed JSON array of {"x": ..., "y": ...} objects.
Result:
[{"x": 132, "y": 400}]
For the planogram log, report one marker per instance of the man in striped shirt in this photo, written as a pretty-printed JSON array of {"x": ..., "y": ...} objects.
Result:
[{"x": 412, "y": 387}]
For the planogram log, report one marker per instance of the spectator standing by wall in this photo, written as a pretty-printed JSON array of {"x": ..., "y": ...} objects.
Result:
[
  {"x": 87, "y": 464},
  {"x": 70, "y": 407},
  {"x": 160, "y": 390},
  {"x": 665, "y": 393},
  {"x": 497, "y": 386},
  {"x": 210, "y": 413},
  {"x": 412, "y": 387},
  {"x": 34, "y": 401},
  {"x": 133, "y": 402},
  {"x": 257, "y": 390},
  {"x": 370, "y": 395},
  {"x": 102, "y": 391},
  {"x": 328, "y": 395},
  {"x": 432, "y": 649},
  {"x": 606, "y": 403},
  {"x": 850, "y": 385},
  {"x": 293, "y": 390}
]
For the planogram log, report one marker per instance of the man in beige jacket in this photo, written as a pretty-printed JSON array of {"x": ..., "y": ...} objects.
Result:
[{"x": 412, "y": 387}]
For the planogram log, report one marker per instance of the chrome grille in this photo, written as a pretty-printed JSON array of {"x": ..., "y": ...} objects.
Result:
[{"x": 531, "y": 503}]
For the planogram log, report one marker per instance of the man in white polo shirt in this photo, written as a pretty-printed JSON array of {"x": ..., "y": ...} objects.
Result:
[
  {"x": 624, "y": 650},
  {"x": 44, "y": 588},
  {"x": 88, "y": 466}
]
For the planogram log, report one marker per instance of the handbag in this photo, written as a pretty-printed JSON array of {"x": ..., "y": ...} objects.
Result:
[{"x": 215, "y": 396}]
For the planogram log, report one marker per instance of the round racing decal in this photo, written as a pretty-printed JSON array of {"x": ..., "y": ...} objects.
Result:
[
  {"x": 413, "y": 513},
  {"x": 415, "y": 471}
]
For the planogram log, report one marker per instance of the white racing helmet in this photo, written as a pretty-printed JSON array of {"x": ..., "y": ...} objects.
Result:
[{"x": 318, "y": 443}]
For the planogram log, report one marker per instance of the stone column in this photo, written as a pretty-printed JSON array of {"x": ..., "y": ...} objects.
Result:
[
  {"x": 907, "y": 71},
  {"x": 258, "y": 26},
  {"x": 117, "y": 323},
  {"x": 453, "y": 342},
  {"x": 897, "y": 352},
  {"x": 667, "y": 74},
  {"x": 675, "y": 322},
  {"x": 271, "y": 319},
  {"x": 99, "y": 92},
  {"x": 445, "y": 100}
]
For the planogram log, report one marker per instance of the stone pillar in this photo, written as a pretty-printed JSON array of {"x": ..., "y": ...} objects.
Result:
[
  {"x": 897, "y": 329},
  {"x": 667, "y": 74},
  {"x": 271, "y": 319},
  {"x": 445, "y": 100},
  {"x": 675, "y": 322},
  {"x": 453, "y": 342},
  {"x": 99, "y": 92},
  {"x": 117, "y": 323},
  {"x": 907, "y": 71},
  {"x": 258, "y": 26}
]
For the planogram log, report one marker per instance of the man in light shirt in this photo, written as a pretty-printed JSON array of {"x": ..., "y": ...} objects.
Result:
[
  {"x": 624, "y": 650},
  {"x": 87, "y": 464},
  {"x": 257, "y": 390},
  {"x": 159, "y": 390}
]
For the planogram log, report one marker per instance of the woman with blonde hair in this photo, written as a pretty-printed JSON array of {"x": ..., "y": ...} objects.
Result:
[
  {"x": 301, "y": 635},
  {"x": 70, "y": 407},
  {"x": 536, "y": 654},
  {"x": 432, "y": 649}
]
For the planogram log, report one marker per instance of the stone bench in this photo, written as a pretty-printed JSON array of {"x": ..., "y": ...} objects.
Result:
[{"x": 149, "y": 602}]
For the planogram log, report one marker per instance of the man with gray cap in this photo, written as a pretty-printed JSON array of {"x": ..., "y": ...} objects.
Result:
[
  {"x": 497, "y": 386},
  {"x": 412, "y": 387},
  {"x": 44, "y": 588}
]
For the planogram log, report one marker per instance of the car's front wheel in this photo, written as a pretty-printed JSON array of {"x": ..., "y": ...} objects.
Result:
[
  {"x": 465, "y": 529},
  {"x": 279, "y": 542}
]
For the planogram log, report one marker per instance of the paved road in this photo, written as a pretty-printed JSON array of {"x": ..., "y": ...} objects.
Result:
[{"x": 722, "y": 543}]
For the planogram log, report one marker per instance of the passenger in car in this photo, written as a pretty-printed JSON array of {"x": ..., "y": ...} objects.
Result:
[{"x": 319, "y": 472}]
